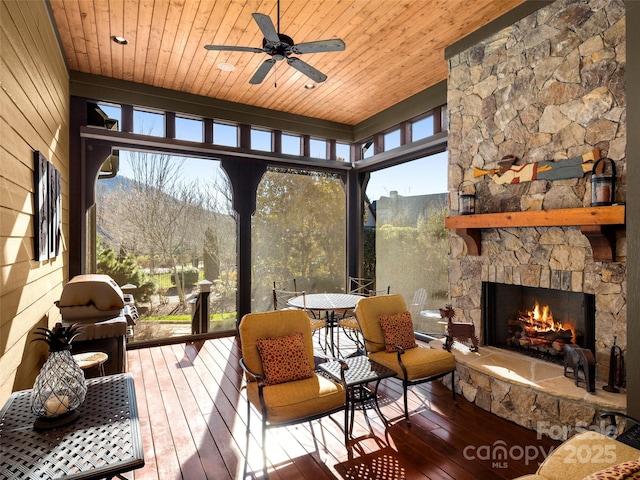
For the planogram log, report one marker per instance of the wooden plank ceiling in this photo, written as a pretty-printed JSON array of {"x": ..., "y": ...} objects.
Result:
[{"x": 394, "y": 49}]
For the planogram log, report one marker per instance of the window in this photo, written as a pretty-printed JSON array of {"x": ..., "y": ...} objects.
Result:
[
  {"x": 226, "y": 135},
  {"x": 343, "y": 152},
  {"x": 113, "y": 112},
  {"x": 318, "y": 148},
  {"x": 148, "y": 123},
  {"x": 392, "y": 140},
  {"x": 422, "y": 128},
  {"x": 407, "y": 245},
  {"x": 366, "y": 149},
  {"x": 298, "y": 231},
  {"x": 291, "y": 144},
  {"x": 261, "y": 140},
  {"x": 189, "y": 129}
]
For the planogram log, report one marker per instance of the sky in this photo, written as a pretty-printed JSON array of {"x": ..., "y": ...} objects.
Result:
[{"x": 419, "y": 177}]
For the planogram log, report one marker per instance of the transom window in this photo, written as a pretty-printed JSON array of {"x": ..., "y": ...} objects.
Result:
[
  {"x": 148, "y": 123},
  {"x": 225, "y": 134},
  {"x": 261, "y": 140},
  {"x": 189, "y": 129},
  {"x": 291, "y": 144}
]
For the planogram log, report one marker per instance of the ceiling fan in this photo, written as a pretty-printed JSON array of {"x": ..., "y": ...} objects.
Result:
[{"x": 280, "y": 46}]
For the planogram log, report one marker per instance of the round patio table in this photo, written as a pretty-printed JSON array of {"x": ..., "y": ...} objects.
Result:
[{"x": 328, "y": 303}]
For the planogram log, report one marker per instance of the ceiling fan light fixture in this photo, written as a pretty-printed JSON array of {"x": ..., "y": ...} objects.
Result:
[
  {"x": 119, "y": 40},
  {"x": 226, "y": 66},
  {"x": 309, "y": 86}
]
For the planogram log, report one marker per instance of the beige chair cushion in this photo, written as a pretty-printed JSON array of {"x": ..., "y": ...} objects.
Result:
[
  {"x": 99, "y": 290},
  {"x": 295, "y": 400},
  {"x": 584, "y": 454},
  {"x": 349, "y": 322},
  {"x": 292, "y": 401},
  {"x": 420, "y": 362},
  {"x": 316, "y": 324}
]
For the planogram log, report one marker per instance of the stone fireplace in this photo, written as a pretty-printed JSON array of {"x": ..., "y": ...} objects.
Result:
[{"x": 550, "y": 87}]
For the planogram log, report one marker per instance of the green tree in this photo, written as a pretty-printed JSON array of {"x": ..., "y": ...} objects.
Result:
[
  {"x": 187, "y": 276},
  {"x": 124, "y": 270},
  {"x": 298, "y": 232}
]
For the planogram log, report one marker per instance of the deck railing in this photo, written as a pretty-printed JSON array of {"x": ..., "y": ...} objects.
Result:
[{"x": 200, "y": 315}]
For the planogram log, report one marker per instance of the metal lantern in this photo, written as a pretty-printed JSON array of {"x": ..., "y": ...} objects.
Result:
[
  {"x": 60, "y": 386},
  {"x": 603, "y": 185},
  {"x": 467, "y": 198}
]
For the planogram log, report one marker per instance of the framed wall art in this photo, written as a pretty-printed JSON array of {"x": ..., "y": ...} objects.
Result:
[{"x": 47, "y": 209}]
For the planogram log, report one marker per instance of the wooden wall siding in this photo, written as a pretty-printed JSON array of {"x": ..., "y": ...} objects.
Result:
[
  {"x": 394, "y": 49},
  {"x": 34, "y": 115}
]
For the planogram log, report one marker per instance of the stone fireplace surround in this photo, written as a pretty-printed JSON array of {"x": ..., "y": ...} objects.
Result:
[{"x": 549, "y": 87}]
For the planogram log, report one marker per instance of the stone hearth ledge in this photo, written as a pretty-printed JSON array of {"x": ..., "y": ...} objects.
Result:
[{"x": 479, "y": 377}]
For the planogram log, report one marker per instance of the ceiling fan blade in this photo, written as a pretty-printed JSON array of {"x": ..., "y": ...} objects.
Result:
[
  {"x": 266, "y": 26},
  {"x": 262, "y": 71},
  {"x": 230, "y": 48},
  {"x": 308, "y": 70},
  {"x": 333, "y": 45}
]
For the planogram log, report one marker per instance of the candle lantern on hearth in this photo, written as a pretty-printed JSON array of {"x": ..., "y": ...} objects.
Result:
[
  {"x": 467, "y": 198},
  {"x": 603, "y": 182}
]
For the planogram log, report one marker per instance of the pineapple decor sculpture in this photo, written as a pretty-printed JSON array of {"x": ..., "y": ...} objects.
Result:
[{"x": 60, "y": 387}]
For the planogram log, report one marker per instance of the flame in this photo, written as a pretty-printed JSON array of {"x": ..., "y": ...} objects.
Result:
[{"x": 542, "y": 318}]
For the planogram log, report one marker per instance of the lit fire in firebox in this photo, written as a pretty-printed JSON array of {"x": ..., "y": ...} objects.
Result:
[
  {"x": 540, "y": 319},
  {"x": 538, "y": 330}
]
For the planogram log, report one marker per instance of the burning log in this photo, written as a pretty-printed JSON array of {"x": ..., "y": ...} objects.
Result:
[
  {"x": 543, "y": 328},
  {"x": 531, "y": 322},
  {"x": 549, "y": 335},
  {"x": 538, "y": 332}
]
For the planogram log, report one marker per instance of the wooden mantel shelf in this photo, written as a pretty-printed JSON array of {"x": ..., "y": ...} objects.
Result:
[{"x": 598, "y": 224}]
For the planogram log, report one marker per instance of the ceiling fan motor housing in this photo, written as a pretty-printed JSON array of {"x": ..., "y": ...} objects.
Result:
[{"x": 281, "y": 50}]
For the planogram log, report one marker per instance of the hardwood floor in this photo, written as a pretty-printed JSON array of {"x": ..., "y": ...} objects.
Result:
[{"x": 193, "y": 415}]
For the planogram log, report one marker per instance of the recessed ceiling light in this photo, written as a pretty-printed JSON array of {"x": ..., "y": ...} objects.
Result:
[
  {"x": 119, "y": 40},
  {"x": 309, "y": 86},
  {"x": 226, "y": 67}
]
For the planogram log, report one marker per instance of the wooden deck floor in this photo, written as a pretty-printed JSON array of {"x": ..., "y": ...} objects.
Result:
[{"x": 194, "y": 415}]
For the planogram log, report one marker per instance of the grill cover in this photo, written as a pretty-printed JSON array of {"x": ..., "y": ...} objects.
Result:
[
  {"x": 91, "y": 298},
  {"x": 96, "y": 302}
]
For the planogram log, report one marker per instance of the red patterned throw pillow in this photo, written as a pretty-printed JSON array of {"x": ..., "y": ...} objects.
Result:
[
  {"x": 398, "y": 331},
  {"x": 622, "y": 471},
  {"x": 284, "y": 359}
]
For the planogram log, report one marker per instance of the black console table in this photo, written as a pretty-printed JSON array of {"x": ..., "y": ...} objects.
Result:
[{"x": 104, "y": 442}]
